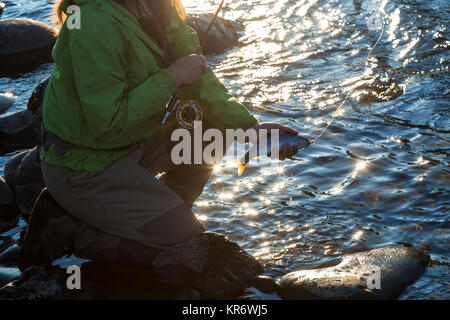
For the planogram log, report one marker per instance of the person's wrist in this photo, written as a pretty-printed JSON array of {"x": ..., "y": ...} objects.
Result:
[{"x": 175, "y": 75}]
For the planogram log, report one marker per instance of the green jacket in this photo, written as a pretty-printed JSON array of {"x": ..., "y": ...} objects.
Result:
[{"x": 109, "y": 88}]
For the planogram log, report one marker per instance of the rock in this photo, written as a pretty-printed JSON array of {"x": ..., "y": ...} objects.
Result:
[
  {"x": 10, "y": 256},
  {"x": 265, "y": 284},
  {"x": 8, "y": 274},
  {"x": 6, "y": 101},
  {"x": 36, "y": 283},
  {"x": 2, "y": 7},
  {"x": 210, "y": 263},
  {"x": 28, "y": 42},
  {"x": 29, "y": 182},
  {"x": 399, "y": 267},
  {"x": 8, "y": 205},
  {"x": 223, "y": 34},
  {"x": 20, "y": 130}
]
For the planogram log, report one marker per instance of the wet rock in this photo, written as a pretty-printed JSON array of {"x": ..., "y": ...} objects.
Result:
[
  {"x": 20, "y": 130},
  {"x": 10, "y": 256},
  {"x": 28, "y": 182},
  {"x": 223, "y": 34},
  {"x": 6, "y": 101},
  {"x": 36, "y": 282},
  {"x": 27, "y": 42},
  {"x": 265, "y": 284},
  {"x": 398, "y": 266},
  {"x": 8, "y": 205},
  {"x": 210, "y": 263},
  {"x": 8, "y": 274}
]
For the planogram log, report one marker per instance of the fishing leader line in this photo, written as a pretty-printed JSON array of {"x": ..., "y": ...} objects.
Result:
[{"x": 335, "y": 113}]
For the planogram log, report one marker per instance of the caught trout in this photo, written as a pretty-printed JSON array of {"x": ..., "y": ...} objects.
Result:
[{"x": 294, "y": 140}]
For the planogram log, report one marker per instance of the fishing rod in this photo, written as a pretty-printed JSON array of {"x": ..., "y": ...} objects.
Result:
[{"x": 175, "y": 99}]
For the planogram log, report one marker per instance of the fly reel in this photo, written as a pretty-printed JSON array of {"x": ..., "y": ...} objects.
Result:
[{"x": 188, "y": 111}]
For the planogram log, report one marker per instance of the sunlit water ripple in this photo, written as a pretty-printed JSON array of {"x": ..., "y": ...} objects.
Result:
[{"x": 378, "y": 177}]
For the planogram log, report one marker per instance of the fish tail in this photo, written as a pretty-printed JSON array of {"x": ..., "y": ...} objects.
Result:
[{"x": 241, "y": 168}]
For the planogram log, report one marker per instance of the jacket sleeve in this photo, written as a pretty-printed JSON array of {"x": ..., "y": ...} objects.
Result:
[
  {"x": 221, "y": 109},
  {"x": 110, "y": 107}
]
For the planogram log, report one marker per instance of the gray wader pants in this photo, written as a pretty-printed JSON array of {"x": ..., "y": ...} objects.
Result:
[{"x": 124, "y": 213}]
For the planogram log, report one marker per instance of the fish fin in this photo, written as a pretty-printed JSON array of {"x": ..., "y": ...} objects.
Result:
[{"x": 241, "y": 168}]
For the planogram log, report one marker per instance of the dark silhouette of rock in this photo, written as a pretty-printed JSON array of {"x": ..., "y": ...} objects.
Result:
[
  {"x": 265, "y": 284},
  {"x": 10, "y": 256},
  {"x": 27, "y": 42},
  {"x": 210, "y": 263},
  {"x": 28, "y": 181},
  {"x": 8, "y": 205},
  {"x": 398, "y": 267},
  {"x": 20, "y": 130},
  {"x": 36, "y": 282}
]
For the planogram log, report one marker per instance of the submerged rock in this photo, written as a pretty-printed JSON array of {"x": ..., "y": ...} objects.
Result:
[
  {"x": 8, "y": 205},
  {"x": 210, "y": 263},
  {"x": 398, "y": 267},
  {"x": 27, "y": 42},
  {"x": 380, "y": 88},
  {"x": 20, "y": 130},
  {"x": 6, "y": 101}
]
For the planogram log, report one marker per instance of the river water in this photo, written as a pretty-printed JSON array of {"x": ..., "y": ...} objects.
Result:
[{"x": 378, "y": 177}]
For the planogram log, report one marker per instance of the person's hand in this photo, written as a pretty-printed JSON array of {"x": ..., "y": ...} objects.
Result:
[
  {"x": 286, "y": 150},
  {"x": 188, "y": 70}
]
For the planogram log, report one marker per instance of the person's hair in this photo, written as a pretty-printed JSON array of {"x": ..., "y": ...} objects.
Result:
[{"x": 137, "y": 7}]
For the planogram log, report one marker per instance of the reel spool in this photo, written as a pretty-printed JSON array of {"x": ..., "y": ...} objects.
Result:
[{"x": 188, "y": 111}]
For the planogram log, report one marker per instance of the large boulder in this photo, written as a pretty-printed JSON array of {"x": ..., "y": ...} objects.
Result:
[
  {"x": 211, "y": 263},
  {"x": 20, "y": 130},
  {"x": 26, "y": 42},
  {"x": 396, "y": 266}
]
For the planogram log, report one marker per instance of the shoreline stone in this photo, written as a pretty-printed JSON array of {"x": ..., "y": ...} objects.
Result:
[{"x": 399, "y": 267}]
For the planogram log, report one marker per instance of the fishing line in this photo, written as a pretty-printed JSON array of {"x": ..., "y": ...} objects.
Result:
[{"x": 335, "y": 113}]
